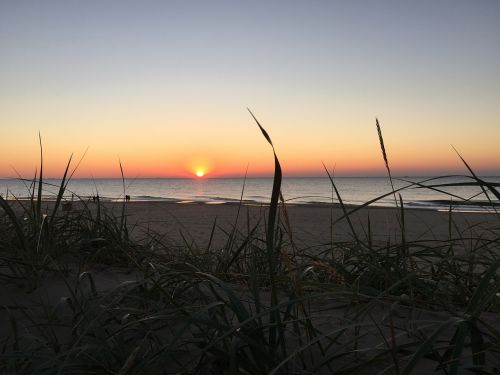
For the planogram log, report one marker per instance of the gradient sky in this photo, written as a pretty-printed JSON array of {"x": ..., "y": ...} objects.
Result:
[{"x": 164, "y": 86}]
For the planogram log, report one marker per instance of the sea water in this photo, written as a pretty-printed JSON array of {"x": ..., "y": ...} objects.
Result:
[{"x": 305, "y": 190}]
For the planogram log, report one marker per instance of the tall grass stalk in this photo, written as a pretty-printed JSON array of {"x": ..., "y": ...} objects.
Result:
[{"x": 272, "y": 249}]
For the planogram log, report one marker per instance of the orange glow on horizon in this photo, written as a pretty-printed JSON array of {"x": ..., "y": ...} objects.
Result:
[{"x": 146, "y": 159}]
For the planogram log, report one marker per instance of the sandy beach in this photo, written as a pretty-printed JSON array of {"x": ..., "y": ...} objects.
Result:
[
  {"x": 311, "y": 225},
  {"x": 183, "y": 225}
]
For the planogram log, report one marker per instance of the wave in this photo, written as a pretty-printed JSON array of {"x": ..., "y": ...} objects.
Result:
[{"x": 455, "y": 206}]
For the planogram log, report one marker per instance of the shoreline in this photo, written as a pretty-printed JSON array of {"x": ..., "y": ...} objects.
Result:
[{"x": 429, "y": 205}]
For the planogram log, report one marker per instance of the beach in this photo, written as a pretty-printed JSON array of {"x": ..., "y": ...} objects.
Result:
[
  {"x": 310, "y": 225},
  {"x": 181, "y": 251}
]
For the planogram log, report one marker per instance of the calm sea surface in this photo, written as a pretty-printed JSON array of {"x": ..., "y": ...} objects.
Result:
[{"x": 353, "y": 190}]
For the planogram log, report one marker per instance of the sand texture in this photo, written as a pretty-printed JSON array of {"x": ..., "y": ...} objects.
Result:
[{"x": 310, "y": 225}]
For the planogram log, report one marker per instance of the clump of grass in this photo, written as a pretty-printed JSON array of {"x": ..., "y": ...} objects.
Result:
[{"x": 38, "y": 238}]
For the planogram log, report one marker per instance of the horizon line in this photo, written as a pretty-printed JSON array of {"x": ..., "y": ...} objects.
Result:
[{"x": 252, "y": 177}]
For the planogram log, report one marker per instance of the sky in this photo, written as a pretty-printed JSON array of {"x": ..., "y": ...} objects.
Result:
[{"x": 164, "y": 86}]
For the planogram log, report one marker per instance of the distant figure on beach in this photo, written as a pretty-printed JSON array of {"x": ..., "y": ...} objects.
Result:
[
  {"x": 97, "y": 197},
  {"x": 93, "y": 198},
  {"x": 127, "y": 198}
]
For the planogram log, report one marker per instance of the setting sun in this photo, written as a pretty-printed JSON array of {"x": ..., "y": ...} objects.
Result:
[{"x": 200, "y": 173}]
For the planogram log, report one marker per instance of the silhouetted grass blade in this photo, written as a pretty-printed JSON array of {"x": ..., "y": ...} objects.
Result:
[{"x": 262, "y": 129}]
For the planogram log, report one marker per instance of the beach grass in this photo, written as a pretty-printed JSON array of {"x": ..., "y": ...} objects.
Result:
[{"x": 261, "y": 304}]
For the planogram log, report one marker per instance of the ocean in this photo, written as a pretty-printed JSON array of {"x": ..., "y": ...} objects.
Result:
[{"x": 306, "y": 190}]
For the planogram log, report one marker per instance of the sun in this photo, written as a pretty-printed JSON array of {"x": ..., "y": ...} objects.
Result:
[{"x": 200, "y": 172}]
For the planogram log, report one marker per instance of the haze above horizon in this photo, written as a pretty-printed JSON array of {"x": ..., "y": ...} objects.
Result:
[{"x": 163, "y": 86}]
